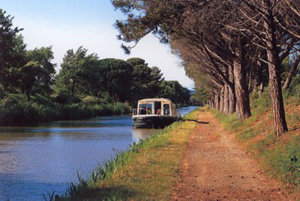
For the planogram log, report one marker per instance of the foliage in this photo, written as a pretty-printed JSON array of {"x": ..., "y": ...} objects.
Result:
[
  {"x": 15, "y": 110},
  {"x": 117, "y": 79},
  {"x": 284, "y": 158},
  {"x": 45, "y": 80},
  {"x": 75, "y": 71},
  {"x": 174, "y": 91},
  {"x": 9, "y": 55},
  {"x": 261, "y": 101},
  {"x": 228, "y": 50},
  {"x": 63, "y": 97},
  {"x": 84, "y": 87},
  {"x": 146, "y": 80},
  {"x": 294, "y": 89},
  {"x": 29, "y": 73},
  {"x": 201, "y": 96}
]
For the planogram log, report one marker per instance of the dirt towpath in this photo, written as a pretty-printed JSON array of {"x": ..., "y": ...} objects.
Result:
[{"x": 215, "y": 167}]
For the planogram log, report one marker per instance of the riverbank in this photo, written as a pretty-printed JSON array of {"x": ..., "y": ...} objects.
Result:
[
  {"x": 15, "y": 110},
  {"x": 154, "y": 169},
  {"x": 146, "y": 172}
]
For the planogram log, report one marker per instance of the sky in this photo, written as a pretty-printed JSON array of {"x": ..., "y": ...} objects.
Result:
[{"x": 69, "y": 24}]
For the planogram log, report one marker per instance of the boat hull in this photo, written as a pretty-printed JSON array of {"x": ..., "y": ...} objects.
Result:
[{"x": 153, "y": 121}]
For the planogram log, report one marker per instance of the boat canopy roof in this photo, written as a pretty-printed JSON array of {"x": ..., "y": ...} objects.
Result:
[{"x": 165, "y": 100}]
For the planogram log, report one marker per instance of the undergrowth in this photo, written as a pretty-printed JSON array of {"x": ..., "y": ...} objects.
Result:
[{"x": 16, "y": 110}]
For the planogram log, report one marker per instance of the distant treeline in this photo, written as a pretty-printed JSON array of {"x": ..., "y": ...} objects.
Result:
[{"x": 32, "y": 90}]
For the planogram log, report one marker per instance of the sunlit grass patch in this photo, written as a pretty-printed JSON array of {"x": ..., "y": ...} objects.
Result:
[{"x": 230, "y": 122}]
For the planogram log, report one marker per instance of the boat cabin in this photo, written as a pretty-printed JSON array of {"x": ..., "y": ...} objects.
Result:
[{"x": 155, "y": 106}]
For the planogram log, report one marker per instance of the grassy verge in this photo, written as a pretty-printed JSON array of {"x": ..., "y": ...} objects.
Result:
[
  {"x": 279, "y": 156},
  {"x": 16, "y": 110},
  {"x": 147, "y": 171}
]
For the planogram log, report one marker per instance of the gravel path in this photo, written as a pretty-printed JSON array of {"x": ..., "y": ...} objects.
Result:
[{"x": 215, "y": 167}]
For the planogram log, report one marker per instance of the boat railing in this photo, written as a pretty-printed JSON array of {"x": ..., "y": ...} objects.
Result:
[{"x": 174, "y": 112}]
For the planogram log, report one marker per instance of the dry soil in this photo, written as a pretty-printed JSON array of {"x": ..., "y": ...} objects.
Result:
[{"x": 216, "y": 167}]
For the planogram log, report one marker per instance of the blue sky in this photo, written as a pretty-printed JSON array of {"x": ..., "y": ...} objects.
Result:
[{"x": 68, "y": 24}]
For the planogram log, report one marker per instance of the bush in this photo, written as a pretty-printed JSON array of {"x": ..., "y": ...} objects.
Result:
[
  {"x": 2, "y": 92},
  {"x": 92, "y": 100},
  {"x": 64, "y": 97},
  {"x": 16, "y": 110},
  {"x": 261, "y": 101},
  {"x": 294, "y": 89},
  {"x": 285, "y": 160}
]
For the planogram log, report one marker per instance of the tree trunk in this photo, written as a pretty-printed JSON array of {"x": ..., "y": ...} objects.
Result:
[
  {"x": 222, "y": 100},
  {"x": 241, "y": 88},
  {"x": 226, "y": 99},
  {"x": 274, "y": 71},
  {"x": 217, "y": 102},
  {"x": 291, "y": 73},
  {"x": 231, "y": 94}
]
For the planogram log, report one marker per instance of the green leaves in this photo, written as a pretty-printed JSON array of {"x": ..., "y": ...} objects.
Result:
[
  {"x": 174, "y": 91},
  {"x": 10, "y": 44}
]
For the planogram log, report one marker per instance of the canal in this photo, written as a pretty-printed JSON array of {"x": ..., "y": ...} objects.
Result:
[{"x": 46, "y": 158}]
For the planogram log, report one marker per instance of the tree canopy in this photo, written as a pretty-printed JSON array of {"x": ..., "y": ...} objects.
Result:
[{"x": 229, "y": 47}]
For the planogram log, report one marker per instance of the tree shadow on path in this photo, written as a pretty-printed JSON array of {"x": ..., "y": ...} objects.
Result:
[{"x": 199, "y": 122}]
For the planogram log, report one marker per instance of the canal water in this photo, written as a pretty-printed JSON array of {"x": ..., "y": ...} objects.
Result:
[{"x": 46, "y": 158}]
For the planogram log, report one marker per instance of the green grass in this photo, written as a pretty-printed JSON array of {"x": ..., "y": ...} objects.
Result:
[
  {"x": 293, "y": 118},
  {"x": 230, "y": 122},
  {"x": 147, "y": 171},
  {"x": 285, "y": 159},
  {"x": 247, "y": 134}
]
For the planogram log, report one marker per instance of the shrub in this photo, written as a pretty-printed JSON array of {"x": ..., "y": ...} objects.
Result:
[
  {"x": 64, "y": 97},
  {"x": 285, "y": 160},
  {"x": 294, "y": 89},
  {"x": 2, "y": 92},
  {"x": 92, "y": 100},
  {"x": 262, "y": 101}
]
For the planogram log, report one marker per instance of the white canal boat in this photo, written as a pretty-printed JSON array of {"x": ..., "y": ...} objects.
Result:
[{"x": 154, "y": 113}]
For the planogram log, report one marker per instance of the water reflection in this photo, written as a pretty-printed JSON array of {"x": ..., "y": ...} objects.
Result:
[
  {"x": 142, "y": 134},
  {"x": 35, "y": 160}
]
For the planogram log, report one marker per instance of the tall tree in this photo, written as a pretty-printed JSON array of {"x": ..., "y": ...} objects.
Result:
[
  {"x": 146, "y": 80},
  {"x": 263, "y": 19},
  {"x": 8, "y": 35},
  {"x": 117, "y": 78},
  {"x": 174, "y": 91},
  {"x": 73, "y": 69},
  {"x": 43, "y": 56},
  {"x": 29, "y": 76}
]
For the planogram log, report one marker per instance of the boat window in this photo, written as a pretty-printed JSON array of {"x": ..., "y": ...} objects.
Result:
[
  {"x": 157, "y": 107},
  {"x": 166, "y": 109},
  {"x": 149, "y": 108},
  {"x": 145, "y": 108}
]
